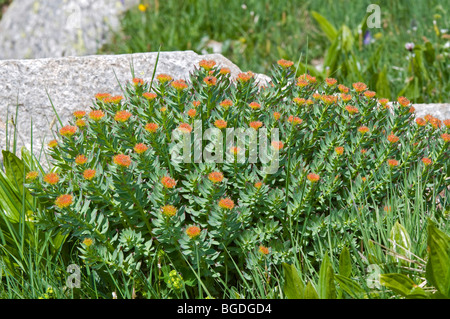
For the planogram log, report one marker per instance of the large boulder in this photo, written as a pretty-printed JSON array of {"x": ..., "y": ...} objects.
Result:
[
  {"x": 49, "y": 28},
  {"x": 71, "y": 83}
]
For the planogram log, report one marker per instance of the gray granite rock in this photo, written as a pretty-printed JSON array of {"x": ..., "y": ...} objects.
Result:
[
  {"x": 49, "y": 28},
  {"x": 72, "y": 82}
]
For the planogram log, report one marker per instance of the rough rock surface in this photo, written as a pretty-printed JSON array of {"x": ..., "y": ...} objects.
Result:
[
  {"x": 49, "y": 28},
  {"x": 72, "y": 82}
]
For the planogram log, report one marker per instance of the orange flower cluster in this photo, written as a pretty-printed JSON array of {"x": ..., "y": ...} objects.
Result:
[
  {"x": 149, "y": 96},
  {"x": 313, "y": 177},
  {"x": 276, "y": 115},
  {"x": 363, "y": 129},
  {"x": 244, "y": 77},
  {"x": 122, "y": 116},
  {"x": 192, "y": 112},
  {"x": 81, "y": 159},
  {"x": 221, "y": 124},
  {"x": 113, "y": 99},
  {"x": 31, "y": 176},
  {"x": 169, "y": 210},
  {"x": 207, "y": 64},
  {"x": 392, "y": 163},
  {"x": 185, "y": 128},
  {"x": 330, "y": 81},
  {"x": 68, "y": 130},
  {"x": 193, "y": 231},
  {"x": 339, "y": 150},
  {"x": 210, "y": 80},
  {"x": 179, "y": 85},
  {"x": 263, "y": 250},
  {"x": 140, "y": 148},
  {"x": 285, "y": 63},
  {"x": 277, "y": 145},
  {"x": 329, "y": 99},
  {"x": 295, "y": 120},
  {"x": 151, "y": 127},
  {"x": 226, "y": 103},
  {"x": 255, "y": 125},
  {"x": 342, "y": 88},
  {"x": 392, "y": 138},
  {"x": 226, "y": 203},
  {"x": 89, "y": 174},
  {"x": 51, "y": 178},
  {"x": 52, "y": 143},
  {"x": 64, "y": 201},
  {"x": 122, "y": 160},
  {"x": 215, "y": 177},
  {"x": 359, "y": 87},
  {"x": 255, "y": 105},
  {"x": 168, "y": 182},
  {"x": 426, "y": 161},
  {"x": 163, "y": 78},
  {"x": 403, "y": 101},
  {"x": 351, "y": 109},
  {"x": 79, "y": 114},
  {"x": 96, "y": 115}
]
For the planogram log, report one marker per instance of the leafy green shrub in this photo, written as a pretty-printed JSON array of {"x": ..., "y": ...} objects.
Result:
[{"x": 117, "y": 188}]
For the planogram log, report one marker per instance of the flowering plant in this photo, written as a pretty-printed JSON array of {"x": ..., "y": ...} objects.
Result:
[{"x": 118, "y": 189}]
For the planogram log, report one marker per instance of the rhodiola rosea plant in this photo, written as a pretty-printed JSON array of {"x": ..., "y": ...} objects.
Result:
[{"x": 117, "y": 188}]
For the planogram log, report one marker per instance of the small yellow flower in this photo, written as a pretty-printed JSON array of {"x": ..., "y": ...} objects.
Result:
[
  {"x": 142, "y": 7},
  {"x": 88, "y": 242},
  {"x": 31, "y": 176},
  {"x": 52, "y": 143}
]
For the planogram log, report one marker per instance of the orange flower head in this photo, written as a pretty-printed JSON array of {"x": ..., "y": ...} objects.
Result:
[
  {"x": 302, "y": 82},
  {"x": 351, "y": 109},
  {"x": 113, "y": 99},
  {"x": 179, "y": 85},
  {"x": 329, "y": 99},
  {"x": 122, "y": 116},
  {"x": 392, "y": 163},
  {"x": 68, "y": 130},
  {"x": 102, "y": 96},
  {"x": 383, "y": 102},
  {"x": 224, "y": 71},
  {"x": 96, "y": 115},
  {"x": 138, "y": 82},
  {"x": 276, "y": 115},
  {"x": 369, "y": 94},
  {"x": 221, "y": 124},
  {"x": 426, "y": 161},
  {"x": 330, "y": 81},
  {"x": 31, "y": 176},
  {"x": 258, "y": 185},
  {"x": 255, "y": 105},
  {"x": 277, "y": 145},
  {"x": 363, "y": 129},
  {"x": 52, "y": 143},
  {"x": 169, "y": 210},
  {"x": 210, "y": 80},
  {"x": 299, "y": 101},
  {"x": 193, "y": 231},
  {"x": 80, "y": 123},
  {"x": 185, "y": 128},
  {"x": 435, "y": 122},
  {"x": 295, "y": 120},
  {"x": 263, "y": 250},
  {"x": 446, "y": 137},
  {"x": 359, "y": 87},
  {"x": 339, "y": 150},
  {"x": 89, "y": 174},
  {"x": 192, "y": 112},
  {"x": 235, "y": 150},
  {"x": 51, "y": 178},
  {"x": 285, "y": 63},
  {"x": 420, "y": 121},
  {"x": 428, "y": 117},
  {"x": 226, "y": 103},
  {"x": 168, "y": 182},
  {"x": 309, "y": 102},
  {"x": 149, "y": 96},
  {"x": 226, "y": 203},
  {"x": 215, "y": 177},
  {"x": 403, "y": 101},
  {"x": 313, "y": 177},
  {"x": 255, "y": 125},
  {"x": 392, "y": 138},
  {"x": 81, "y": 159},
  {"x": 447, "y": 123},
  {"x": 342, "y": 88},
  {"x": 244, "y": 77},
  {"x": 317, "y": 96},
  {"x": 140, "y": 148},
  {"x": 207, "y": 64},
  {"x": 151, "y": 127},
  {"x": 163, "y": 78},
  {"x": 79, "y": 114},
  {"x": 122, "y": 160},
  {"x": 346, "y": 97},
  {"x": 64, "y": 201}
]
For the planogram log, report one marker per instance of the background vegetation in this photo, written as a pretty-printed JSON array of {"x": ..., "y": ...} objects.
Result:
[{"x": 328, "y": 34}]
